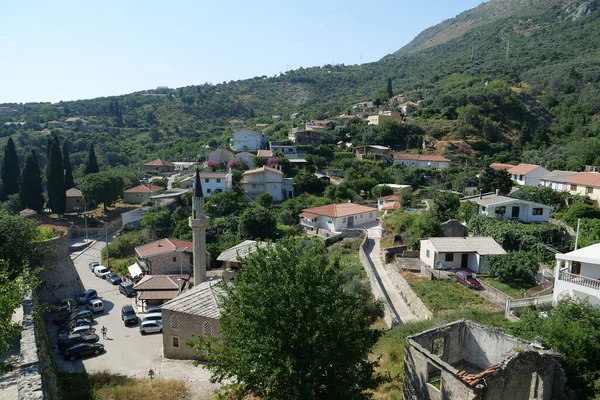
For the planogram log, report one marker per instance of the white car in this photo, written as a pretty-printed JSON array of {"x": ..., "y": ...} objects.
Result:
[
  {"x": 150, "y": 327},
  {"x": 101, "y": 271}
]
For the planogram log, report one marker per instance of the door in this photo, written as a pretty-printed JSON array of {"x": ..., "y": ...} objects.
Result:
[
  {"x": 350, "y": 221},
  {"x": 515, "y": 212},
  {"x": 464, "y": 261}
]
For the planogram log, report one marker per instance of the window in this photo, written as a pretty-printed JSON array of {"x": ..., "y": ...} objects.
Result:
[
  {"x": 537, "y": 386},
  {"x": 428, "y": 253},
  {"x": 370, "y": 215},
  {"x": 538, "y": 211},
  {"x": 437, "y": 346},
  {"x": 253, "y": 186},
  {"x": 588, "y": 190},
  {"x": 208, "y": 190},
  {"x": 434, "y": 376},
  {"x": 483, "y": 209},
  {"x": 174, "y": 259},
  {"x": 218, "y": 180},
  {"x": 573, "y": 187},
  {"x": 175, "y": 341},
  {"x": 207, "y": 329},
  {"x": 206, "y": 180},
  {"x": 500, "y": 210},
  {"x": 344, "y": 220},
  {"x": 449, "y": 257},
  {"x": 175, "y": 322},
  {"x": 520, "y": 177}
]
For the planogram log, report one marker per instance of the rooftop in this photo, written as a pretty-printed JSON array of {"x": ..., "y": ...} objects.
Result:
[
  {"x": 558, "y": 176},
  {"x": 589, "y": 254},
  {"x": 265, "y": 153},
  {"x": 499, "y": 166},
  {"x": 159, "y": 163},
  {"x": 263, "y": 169},
  {"x": 391, "y": 205},
  {"x": 419, "y": 157},
  {"x": 585, "y": 178},
  {"x": 337, "y": 210},
  {"x": 523, "y": 169},
  {"x": 240, "y": 250},
  {"x": 208, "y": 175},
  {"x": 203, "y": 300},
  {"x": 489, "y": 199},
  {"x": 145, "y": 188},
  {"x": 159, "y": 282},
  {"x": 391, "y": 197},
  {"x": 162, "y": 246},
  {"x": 478, "y": 244},
  {"x": 74, "y": 192}
]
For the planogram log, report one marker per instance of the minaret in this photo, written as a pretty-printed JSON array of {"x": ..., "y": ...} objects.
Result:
[{"x": 198, "y": 223}]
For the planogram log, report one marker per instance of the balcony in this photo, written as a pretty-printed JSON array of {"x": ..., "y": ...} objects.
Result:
[{"x": 579, "y": 280}]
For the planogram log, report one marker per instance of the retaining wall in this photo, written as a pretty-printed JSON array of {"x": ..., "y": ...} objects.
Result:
[
  {"x": 418, "y": 308},
  {"x": 113, "y": 225}
]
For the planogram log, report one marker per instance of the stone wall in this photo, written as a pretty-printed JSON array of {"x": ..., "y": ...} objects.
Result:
[
  {"x": 113, "y": 225},
  {"x": 410, "y": 297},
  {"x": 183, "y": 329},
  {"x": 37, "y": 376},
  {"x": 55, "y": 249}
]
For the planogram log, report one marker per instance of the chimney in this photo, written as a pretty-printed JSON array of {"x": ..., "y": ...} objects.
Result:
[
  {"x": 480, "y": 194},
  {"x": 159, "y": 244},
  {"x": 497, "y": 192}
]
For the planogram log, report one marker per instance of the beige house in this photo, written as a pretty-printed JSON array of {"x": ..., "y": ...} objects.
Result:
[
  {"x": 383, "y": 116},
  {"x": 74, "y": 200},
  {"x": 421, "y": 161},
  {"x": 267, "y": 180},
  {"x": 141, "y": 193},
  {"x": 165, "y": 256},
  {"x": 159, "y": 165},
  {"x": 585, "y": 184}
]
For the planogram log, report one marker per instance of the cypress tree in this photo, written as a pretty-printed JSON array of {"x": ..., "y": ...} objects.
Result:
[
  {"x": 31, "y": 193},
  {"x": 10, "y": 171},
  {"x": 67, "y": 166},
  {"x": 55, "y": 179},
  {"x": 92, "y": 163},
  {"x": 390, "y": 92}
]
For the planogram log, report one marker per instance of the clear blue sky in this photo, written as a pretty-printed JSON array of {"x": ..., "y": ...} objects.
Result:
[{"x": 68, "y": 50}]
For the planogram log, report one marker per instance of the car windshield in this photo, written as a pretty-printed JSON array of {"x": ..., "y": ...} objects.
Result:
[{"x": 102, "y": 270}]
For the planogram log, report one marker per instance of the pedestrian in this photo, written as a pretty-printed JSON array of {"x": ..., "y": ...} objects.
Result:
[{"x": 104, "y": 330}]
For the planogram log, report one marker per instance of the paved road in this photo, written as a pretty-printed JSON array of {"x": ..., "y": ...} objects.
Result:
[
  {"x": 127, "y": 352},
  {"x": 390, "y": 290}
]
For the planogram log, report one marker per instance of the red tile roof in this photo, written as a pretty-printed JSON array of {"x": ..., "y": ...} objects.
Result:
[
  {"x": 499, "y": 166},
  {"x": 208, "y": 175},
  {"x": 265, "y": 153},
  {"x": 585, "y": 178},
  {"x": 145, "y": 188},
  {"x": 159, "y": 282},
  {"x": 391, "y": 197},
  {"x": 523, "y": 169},
  {"x": 159, "y": 163},
  {"x": 392, "y": 205},
  {"x": 338, "y": 210},
  {"x": 162, "y": 246},
  {"x": 419, "y": 157},
  {"x": 262, "y": 169}
]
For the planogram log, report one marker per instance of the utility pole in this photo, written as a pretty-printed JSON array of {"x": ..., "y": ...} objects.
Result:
[
  {"x": 106, "y": 233},
  {"x": 577, "y": 234},
  {"x": 85, "y": 219}
]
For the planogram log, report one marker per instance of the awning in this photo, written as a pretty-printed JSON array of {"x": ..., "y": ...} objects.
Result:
[{"x": 135, "y": 270}]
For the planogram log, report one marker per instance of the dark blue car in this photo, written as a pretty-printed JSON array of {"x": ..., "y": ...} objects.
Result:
[
  {"x": 113, "y": 278},
  {"x": 87, "y": 296}
]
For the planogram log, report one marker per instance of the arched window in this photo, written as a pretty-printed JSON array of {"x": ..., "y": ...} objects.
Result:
[
  {"x": 175, "y": 322},
  {"x": 207, "y": 329}
]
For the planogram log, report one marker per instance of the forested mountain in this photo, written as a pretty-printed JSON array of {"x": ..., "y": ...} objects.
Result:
[{"x": 476, "y": 100}]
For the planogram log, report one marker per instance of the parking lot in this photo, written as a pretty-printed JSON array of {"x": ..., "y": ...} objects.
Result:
[{"x": 127, "y": 351}]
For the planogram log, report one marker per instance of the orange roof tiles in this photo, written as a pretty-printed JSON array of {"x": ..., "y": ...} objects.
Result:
[
  {"x": 159, "y": 163},
  {"x": 163, "y": 246},
  {"x": 585, "y": 178},
  {"x": 499, "y": 166},
  {"x": 262, "y": 169},
  {"x": 392, "y": 205},
  {"x": 265, "y": 153},
  {"x": 391, "y": 197},
  {"x": 145, "y": 188},
  {"x": 523, "y": 169},
  {"x": 419, "y": 157},
  {"x": 339, "y": 210}
]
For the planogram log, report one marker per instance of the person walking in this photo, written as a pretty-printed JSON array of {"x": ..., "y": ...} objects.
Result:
[{"x": 104, "y": 330}]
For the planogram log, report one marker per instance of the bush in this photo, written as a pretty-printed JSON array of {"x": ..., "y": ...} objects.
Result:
[
  {"x": 513, "y": 267},
  {"x": 580, "y": 210}
]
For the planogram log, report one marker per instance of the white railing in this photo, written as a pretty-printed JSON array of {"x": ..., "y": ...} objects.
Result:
[
  {"x": 579, "y": 280},
  {"x": 511, "y": 304}
]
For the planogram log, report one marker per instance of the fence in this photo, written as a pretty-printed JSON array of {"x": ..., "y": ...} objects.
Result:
[
  {"x": 494, "y": 295},
  {"x": 511, "y": 304}
]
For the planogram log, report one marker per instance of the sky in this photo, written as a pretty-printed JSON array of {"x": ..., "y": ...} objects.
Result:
[{"x": 69, "y": 50}]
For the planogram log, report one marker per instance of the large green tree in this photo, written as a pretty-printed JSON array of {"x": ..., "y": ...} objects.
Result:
[
  {"x": 445, "y": 205},
  {"x": 290, "y": 330},
  {"x": 31, "y": 190},
  {"x": 257, "y": 223},
  {"x": 11, "y": 288},
  {"x": 91, "y": 167},
  {"x": 490, "y": 180},
  {"x": 102, "y": 187},
  {"x": 55, "y": 179},
  {"x": 69, "y": 183},
  {"x": 10, "y": 171},
  {"x": 158, "y": 222},
  {"x": 17, "y": 237}
]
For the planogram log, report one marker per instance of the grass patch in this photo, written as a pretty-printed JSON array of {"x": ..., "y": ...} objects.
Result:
[
  {"x": 514, "y": 290},
  {"x": 107, "y": 386},
  {"x": 347, "y": 251}
]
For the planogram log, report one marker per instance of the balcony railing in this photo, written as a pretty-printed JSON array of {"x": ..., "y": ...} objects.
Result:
[{"x": 579, "y": 280}]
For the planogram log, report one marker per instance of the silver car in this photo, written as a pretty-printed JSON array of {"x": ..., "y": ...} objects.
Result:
[
  {"x": 150, "y": 327},
  {"x": 153, "y": 317}
]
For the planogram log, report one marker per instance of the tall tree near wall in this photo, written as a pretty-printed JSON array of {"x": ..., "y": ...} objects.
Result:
[
  {"x": 390, "y": 92},
  {"x": 69, "y": 183},
  {"x": 55, "y": 179},
  {"x": 31, "y": 193},
  {"x": 92, "y": 163},
  {"x": 10, "y": 171}
]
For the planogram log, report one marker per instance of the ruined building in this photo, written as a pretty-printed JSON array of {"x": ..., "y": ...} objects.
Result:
[{"x": 467, "y": 361}]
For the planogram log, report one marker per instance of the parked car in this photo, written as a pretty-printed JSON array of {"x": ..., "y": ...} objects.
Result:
[
  {"x": 64, "y": 316},
  {"x": 153, "y": 317},
  {"x": 85, "y": 314},
  {"x": 83, "y": 350},
  {"x": 93, "y": 265},
  {"x": 66, "y": 304},
  {"x": 128, "y": 315},
  {"x": 154, "y": 310},
  {"x": 126, "y": 288},
  {"x": 101, "y": 271},
  {"x": 95, "y": 305},
  {"x": 87, "y": 296},
  {"x": 81, "y": 330},
  {"x": 71, "y": 340},
  {"x": 465, "y": 278},
  {"x": 113, "y": 278},
  {"x": 74, "y": 324},
  {"x": 150, "y": 327}
]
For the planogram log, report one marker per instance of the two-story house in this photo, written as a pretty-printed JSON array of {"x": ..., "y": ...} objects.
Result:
[
  {"x": 305, "y": 137},
  {"x": 287, "y": 150},
  {"x": 527, "y": 174},
  {"x": 335, "y": 217},
  {"x": 586, "y": 184},
  {"x": 165, "y": 257},
  {"x": 267, "y": 180},
  {"x": 248, "y": 140},
  {"x": 500, "y": 206},
  {"x": 557, "y": 180},
  {"x": 577, "y": 275},
  {"x": 216, "y": 182},
  {"x": 382, "y": 201},
  {"x": 421, "y": 161},
  {"x": 383, "y": 116}
]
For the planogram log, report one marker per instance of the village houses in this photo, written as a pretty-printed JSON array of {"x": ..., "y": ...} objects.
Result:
[
  {"x": 577, "y": 275},
  {"x": 586, "y": 184},
  {"x": 523, "y": 174},
  {"x": 165, "y": 256},
  {"x": 335, "y": 217},
  {"x": 501, "y": 206},
  {"x": 141, "y": 193},
  {"x": 459, "y": 252},
  {"x": 159, "y": 165},
  {"x": 267, "y": 180},
  {"x": 414, "y": 161},
  {"x": 248, "y": 140}
]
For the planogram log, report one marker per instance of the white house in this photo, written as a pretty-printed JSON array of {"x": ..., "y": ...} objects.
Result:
[
  {"x": 286, "y": 150},
  {"x": 215, "y": 182},
  {"x": 577, "y": 275},
  {"x": 382, "y": 201},
  {"x": 248, "y": 140},
  {"x": 459, "y": 252},
  {"x": 500, "y": 206},
  {"x": 335, "y": 217},
  {"x": 267, "y": 180},
  {"x": 527, "y": 174},
  {"x": 557, "y": 180},
  {"x": 421, "y": 161}
]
